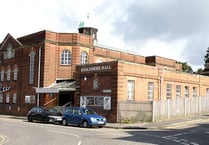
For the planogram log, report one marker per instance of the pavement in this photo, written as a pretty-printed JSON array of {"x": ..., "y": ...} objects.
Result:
[
  {"x": 171, "y": 123},
  {"x": 146, "y": 125}
]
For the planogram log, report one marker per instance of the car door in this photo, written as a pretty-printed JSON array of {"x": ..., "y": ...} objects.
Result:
[
  {"x": 77, "y": 116},
  {"x": 69, "y": 115},
  {"x": 40, "y": 114}
]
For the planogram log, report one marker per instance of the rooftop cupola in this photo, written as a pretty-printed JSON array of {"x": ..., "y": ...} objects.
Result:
[{"x": 86, "y": 27}]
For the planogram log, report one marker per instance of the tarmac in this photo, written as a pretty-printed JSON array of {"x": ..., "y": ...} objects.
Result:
[
  {"x": 146, "y": 125},
  {"x": 171, "y": 123}
]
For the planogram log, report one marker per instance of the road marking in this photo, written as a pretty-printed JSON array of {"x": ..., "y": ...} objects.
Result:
[
  {"x": 79, "y": 143},
  {"x": 3, "y": 139},
  {"x": 63, "y": 133},
  {"x": 12, "y": 125}
]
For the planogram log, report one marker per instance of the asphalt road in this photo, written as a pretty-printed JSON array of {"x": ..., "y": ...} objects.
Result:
[{"x": 21, "y": 132}]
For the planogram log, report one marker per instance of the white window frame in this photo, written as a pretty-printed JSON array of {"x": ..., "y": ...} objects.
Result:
[
  {"x": 150, "y": 90},
  {"x": 2, "y": 75},
  {"x": 84, "y": 57},
  {"x": 194, "y": 91},
  {"x": 131, "y": 89},
  {"x": 14, "y": 98},
  {"x": 15, "y": 71},
  {"x": 29, "y": 99},
  {"x": 186, "y": 93},
  {"x": 66, "y": 57},
  {"x": 169, "y": 91},
  {"x": 8, "y": 74},
  {"x": 178, "y": 91},
  {"x": 7, "y": 98}
]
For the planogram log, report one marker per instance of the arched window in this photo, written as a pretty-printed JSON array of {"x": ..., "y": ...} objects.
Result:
[
  {"x": 66, "y": 57},
  {"x": 84, "y": 57},
  {"x": 10, "y": 52}
]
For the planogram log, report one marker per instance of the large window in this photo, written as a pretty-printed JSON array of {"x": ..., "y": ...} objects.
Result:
[
  {"x": 8, "y": 73},
  {"x": 186, "y": 93},
  {"x": 15, "y": 73},
  {"x": 84, "y": 57},
  {"x": 2, "y": 75},
  {"x": 14, "y": 98},
  {"x": 169, "y": 91},
  {"x": 131, "y": 89},
  {"x": 150, "y": 90},
  {"x": 178, "y": 91},
  {"x": 194, "y": 91},
  {"x": 66, "y": 57},
  {"x": 30, "y": 99},
  {"x": 7, "y": 98},
  {"x": 9, "y": 53},
  {"x": 32, "y": 64}
]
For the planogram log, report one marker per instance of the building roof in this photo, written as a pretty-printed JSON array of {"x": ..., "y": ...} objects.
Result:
[{"x": 58, "y": 87}]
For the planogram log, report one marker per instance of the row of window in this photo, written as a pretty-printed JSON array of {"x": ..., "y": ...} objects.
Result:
[
  {"x": 9, "y": 73},
  {"x": 13, "y": 98},
  {"x": 66, "y": 57},
  {"x": 131, "y": 91}
]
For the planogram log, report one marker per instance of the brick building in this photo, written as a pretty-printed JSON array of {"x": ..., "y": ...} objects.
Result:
[{"x": 48, "y": 69}]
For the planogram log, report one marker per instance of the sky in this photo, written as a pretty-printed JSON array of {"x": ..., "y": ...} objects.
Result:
[{"x": 175, "y": 29}]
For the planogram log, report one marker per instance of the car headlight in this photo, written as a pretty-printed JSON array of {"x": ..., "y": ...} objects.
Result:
[
  {"x": 93, "y": 119},
  {"x": 104, "y": 119}
]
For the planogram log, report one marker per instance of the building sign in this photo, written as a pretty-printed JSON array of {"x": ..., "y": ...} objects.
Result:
[{"x": 96, "y": 68}]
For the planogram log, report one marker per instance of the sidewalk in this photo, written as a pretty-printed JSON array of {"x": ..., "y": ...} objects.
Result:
[
  {"x": 160, "y": 124},
  {"x": 144, "y": 125}
]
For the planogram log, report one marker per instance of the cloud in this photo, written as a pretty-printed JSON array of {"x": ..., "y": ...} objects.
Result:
[
  {"x": 162, "y": 25},
  {"x": 169, "y": 28}
]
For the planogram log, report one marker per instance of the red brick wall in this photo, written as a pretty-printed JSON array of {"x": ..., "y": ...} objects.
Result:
[{"x": 107, "y": 81}]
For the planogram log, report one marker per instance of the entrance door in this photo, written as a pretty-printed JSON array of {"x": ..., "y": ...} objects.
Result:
[{"x": 66, "y": 97}]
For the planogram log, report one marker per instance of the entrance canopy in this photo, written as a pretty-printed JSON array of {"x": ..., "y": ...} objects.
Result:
[{"x": 58, "y": 87}]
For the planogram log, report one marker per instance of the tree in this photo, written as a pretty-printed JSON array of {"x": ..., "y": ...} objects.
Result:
[
  {"x": 206, "y": 58},
  {"x": 185, "y": 67},
  {"x": 199, "y": 71}
]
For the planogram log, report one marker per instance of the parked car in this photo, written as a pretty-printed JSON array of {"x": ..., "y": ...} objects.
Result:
[
  {"x": 43, "y": 114},
  {"x": 83, "y": 117}
]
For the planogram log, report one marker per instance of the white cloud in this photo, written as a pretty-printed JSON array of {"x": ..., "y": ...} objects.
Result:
[{"x": 174, "y": 29}]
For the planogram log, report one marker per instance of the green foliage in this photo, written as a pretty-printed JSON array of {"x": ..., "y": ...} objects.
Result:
[
  {"x": 185, "y": 67},
  {"x": 199, "y": 71},
  {"x": 207, "y": 57}
]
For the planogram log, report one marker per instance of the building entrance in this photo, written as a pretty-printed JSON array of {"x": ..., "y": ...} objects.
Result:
[{"x": 66, "y": 98}]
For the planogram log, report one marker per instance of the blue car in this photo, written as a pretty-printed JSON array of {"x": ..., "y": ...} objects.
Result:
[{"x": 83, "y": 117}]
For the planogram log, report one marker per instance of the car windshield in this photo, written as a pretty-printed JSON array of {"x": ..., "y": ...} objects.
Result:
[
  {"x": 52, "y": 110},
  {"x": 89, "y": 111}
]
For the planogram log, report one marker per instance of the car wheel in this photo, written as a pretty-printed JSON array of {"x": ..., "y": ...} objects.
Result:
[
  {"x": 64, "y": 122},
  {"x": 85, "y": 124},
  {"x": 30, "y": 119},
  {"x": 46, "y": 120}
]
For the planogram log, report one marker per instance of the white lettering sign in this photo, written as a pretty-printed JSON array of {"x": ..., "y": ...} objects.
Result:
[{"x": 96, "y": 68}]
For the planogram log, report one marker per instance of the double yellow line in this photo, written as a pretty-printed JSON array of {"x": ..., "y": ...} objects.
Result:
[{"x": 3, "y": 139}]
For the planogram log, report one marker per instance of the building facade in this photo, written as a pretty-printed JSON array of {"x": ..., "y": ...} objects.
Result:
[{"x": 49, "y": 69}]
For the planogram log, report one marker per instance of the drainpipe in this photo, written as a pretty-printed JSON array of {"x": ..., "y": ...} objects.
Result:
[{"x": 39, "y": 72}]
